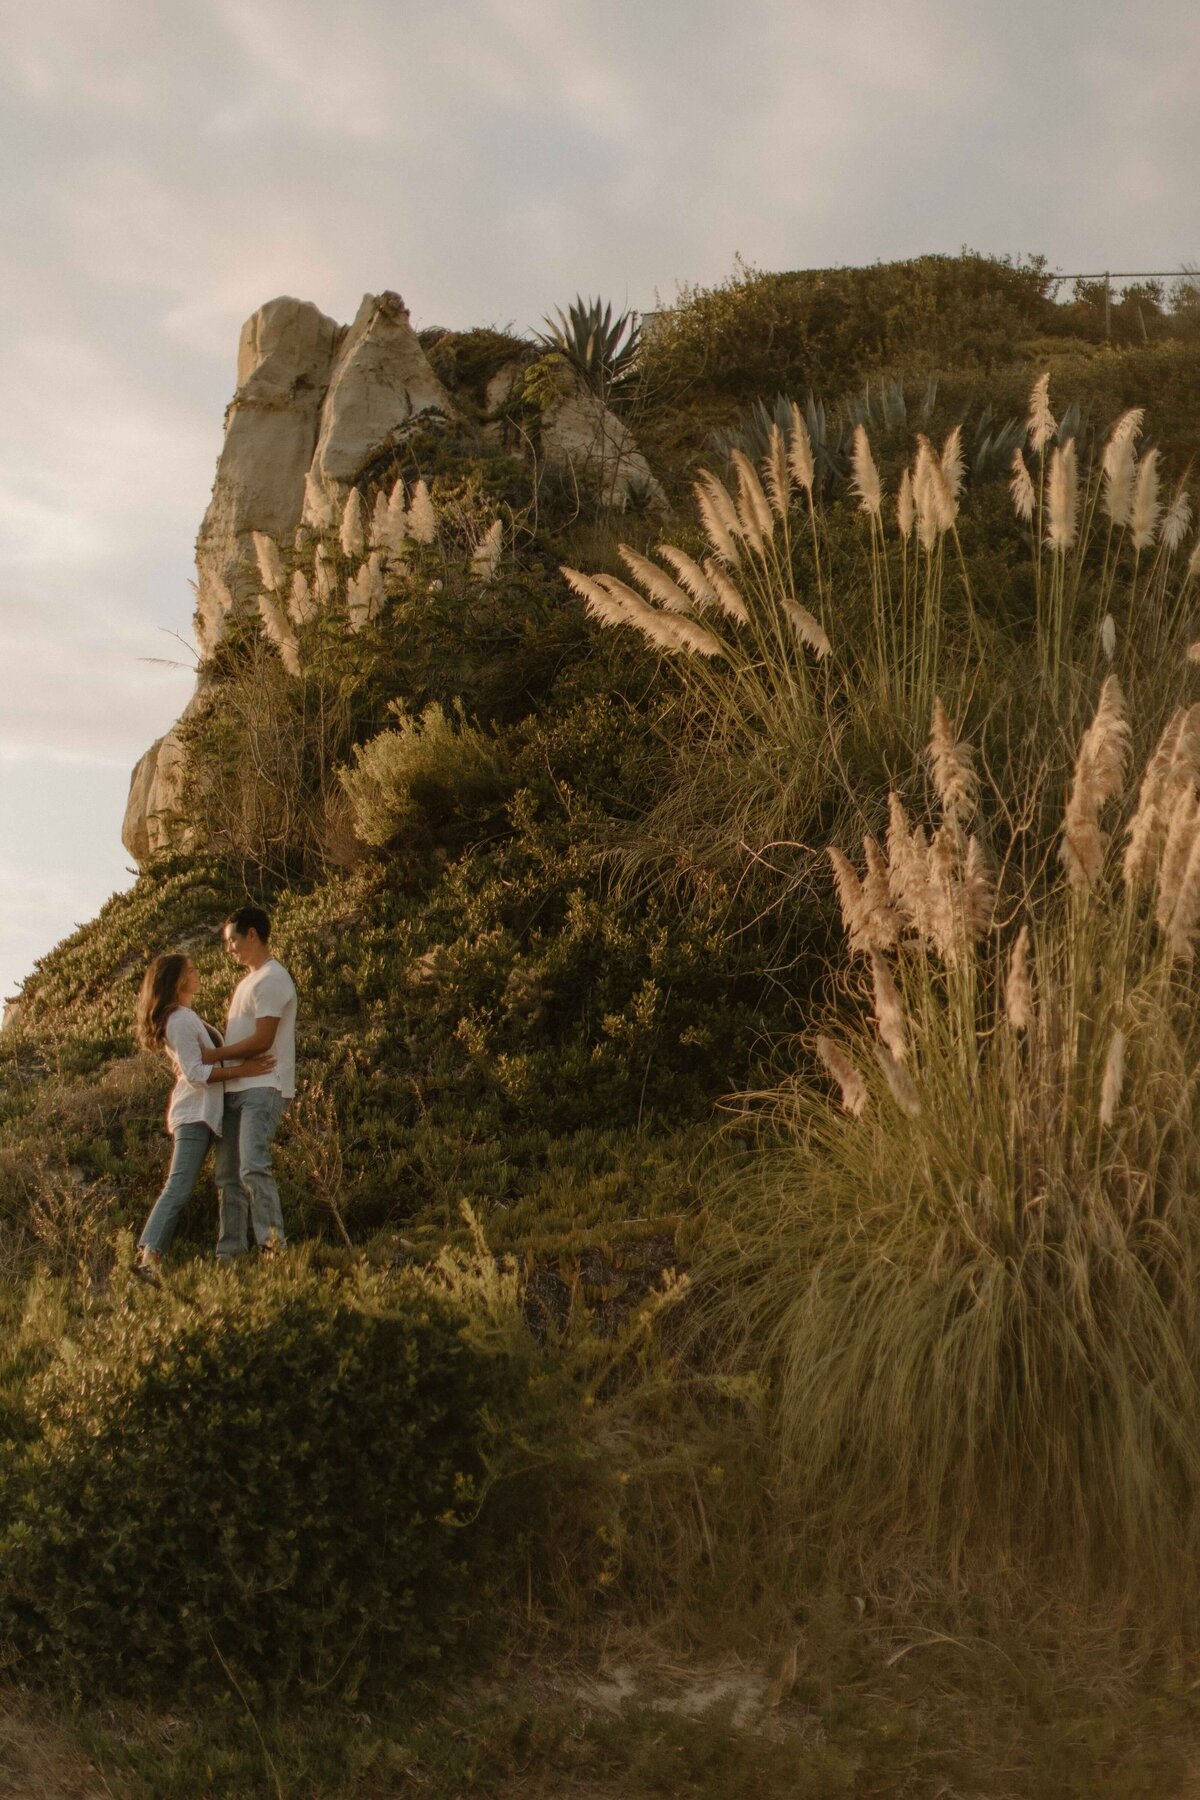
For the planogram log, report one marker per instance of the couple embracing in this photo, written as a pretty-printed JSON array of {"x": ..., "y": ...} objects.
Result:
[{"x": 232, "y": 1091}]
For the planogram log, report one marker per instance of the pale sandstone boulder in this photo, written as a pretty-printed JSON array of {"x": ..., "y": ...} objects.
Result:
[
  {"x": 285, "y": 360},
  {"x": 154, "y": 812},
  {"x": 380, "y": 383},
  {"x": 580, "y": 434}
]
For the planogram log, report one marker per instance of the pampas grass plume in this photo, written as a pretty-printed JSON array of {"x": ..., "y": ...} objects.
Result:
[
  {"x": 657, "y": 583},
  {"x": 1062, "y": 497},
  {"x": 800, "y": 454},
  {"x": 691, "y": 576},
  {"x": 1143, "y": 513},
  {"x": 807, "y": 629},
  {"x": 954, "y": 779},
  {"x": 1175, "y": 524},
  {"x": 848, "y": 1078},
  {"x": 728, "y": 598},
  {"x": 865, "y": 476},
  {"x": 889, "y": 1011},
  {"x": 302, "y": 604},
  {"x": 270, "y": 563},
  {"x": 353, "y": 531},
  {"x": 719, "y": 516},
  {"x": 1042, "y": 426},
  {"x": 486, "y": 559},
  {"x": 278, "y": 628},
  {"x": 1018, "y": 987},
  {"x": 422, "y": 518},
  {"x": 1114, "y": 1078},
  {"x": 906, "y": 509},
  {"x": 1021, "y": 488},
  {"x": 1119, "y": 465},
  {"x": 953, "y": 462},
  {"x": 775, "y": 469}
]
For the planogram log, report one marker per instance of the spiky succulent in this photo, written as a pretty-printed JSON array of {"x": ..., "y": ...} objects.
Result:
[{"x": 600, "y": 349}]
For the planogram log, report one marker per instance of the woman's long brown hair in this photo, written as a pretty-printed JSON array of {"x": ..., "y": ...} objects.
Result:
[{"x": 158, "y": 998}]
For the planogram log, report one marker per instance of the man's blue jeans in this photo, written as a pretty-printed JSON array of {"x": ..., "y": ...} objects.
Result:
[
  {"x": 244, "y": 1179},
  {"x": 189, "y": 1149}
]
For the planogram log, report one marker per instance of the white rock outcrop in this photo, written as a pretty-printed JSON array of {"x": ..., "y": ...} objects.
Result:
[
  {"x": 380, "y": 383},
  {"x": 315, "y": 402},
  {"x": 579, "y": 434},
  {"x": 285, "y": 360}
]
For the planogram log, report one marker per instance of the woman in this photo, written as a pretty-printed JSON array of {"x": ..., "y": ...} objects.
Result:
[{"x": 166, "y": 1022}]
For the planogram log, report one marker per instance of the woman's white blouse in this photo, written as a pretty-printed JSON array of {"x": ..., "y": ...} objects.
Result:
[{"x": 194, "y": 1099}]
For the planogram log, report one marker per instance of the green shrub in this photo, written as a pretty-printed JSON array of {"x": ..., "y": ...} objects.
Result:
[
  {"x": 420, "y": 776},
  {"x": 264, "y": 1477}
]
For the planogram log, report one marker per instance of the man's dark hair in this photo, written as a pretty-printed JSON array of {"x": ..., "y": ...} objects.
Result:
[{"x": 250, "y": 918}]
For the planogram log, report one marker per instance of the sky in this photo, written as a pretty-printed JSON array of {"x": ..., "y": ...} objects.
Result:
[{"x": 165, "y": 169}]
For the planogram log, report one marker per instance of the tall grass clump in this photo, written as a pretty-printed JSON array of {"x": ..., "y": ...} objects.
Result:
[{"x": 967, "y": 1253}]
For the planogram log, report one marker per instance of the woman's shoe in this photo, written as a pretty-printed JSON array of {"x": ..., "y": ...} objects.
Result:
[{"x": 147, "y": 1267}]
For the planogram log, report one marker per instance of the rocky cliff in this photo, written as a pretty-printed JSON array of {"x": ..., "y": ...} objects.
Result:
[{"x": 317, "y": 406}]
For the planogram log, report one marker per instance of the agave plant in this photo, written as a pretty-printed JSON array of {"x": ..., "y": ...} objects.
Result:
[{"x": 600, "y": 349}]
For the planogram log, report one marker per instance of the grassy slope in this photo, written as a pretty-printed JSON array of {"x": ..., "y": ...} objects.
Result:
[{"x": 578, "y": 1122}]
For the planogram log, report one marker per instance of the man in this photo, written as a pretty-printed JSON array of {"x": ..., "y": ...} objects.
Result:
[{"x": 262, "y": 1022}]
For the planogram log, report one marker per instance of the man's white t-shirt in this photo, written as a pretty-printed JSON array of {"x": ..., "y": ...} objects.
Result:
[{"x": 266, "y": 993}]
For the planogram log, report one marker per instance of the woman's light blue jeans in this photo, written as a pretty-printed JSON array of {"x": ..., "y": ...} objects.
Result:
[{"x": 190, "y": 1149}]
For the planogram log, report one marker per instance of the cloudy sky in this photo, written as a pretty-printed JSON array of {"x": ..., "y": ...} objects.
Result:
[{"x": 167, "y": 168}]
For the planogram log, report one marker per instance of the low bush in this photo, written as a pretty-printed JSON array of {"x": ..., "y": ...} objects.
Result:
[
  {"x": 420, "y": 776},
  {"x": 262, "y": 1482}
]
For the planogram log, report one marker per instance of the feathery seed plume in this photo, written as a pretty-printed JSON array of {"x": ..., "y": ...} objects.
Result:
[
  {"x": 1178, "y": 518},
  {"x": 906, "y": 508},
  {"x": 953, "y": 462},
  {"x": 900, "y": 1082},
  {"x": 1181, "y": 929},
  {"x": 324, "y": 578},
  {"x": 1143, "y": 514},
  {"x": 365, "y": 594},
  {"x": 1193, "y": 652},
  {"x": 353, "y": 533},
  {"x": 719, "y": 516},
  {"x": 889, "y": 1011},
  {"x": 925, "y": 494},
  {"x": 302, "y": 605},
  {"x": 1114, "y": 1078},
  {"x": 945, "y": 926},
  {"x": 953, "y": 762},
  {"x": 1177, "y": 847},
  {"x": 978, "y": 889},
  {"x": 1062, "y": 497},
  {"x": 753, "y": 511},
  {"x": 377, "y": 537},
  {"x": 908, "y": 867},
  {"x": 1018, "y": 988},
  {"x": 807, "y": 629},
  {"x": 775, "y": 469},
  {"x": 1108, "y": 636},
  {"x": 851, "y": 1083},
  {"x": 656, "y": 581},
  {"x": 1146, "y": 827},
  {"x": 422, "y": 517},
  {"x": 865, "y": 476},
  {"x": 800, "y": 454},
  {"x": 1041, "y": 420},
  {"x": 319, "y": 508},
  {"x": 486, "y": 558},
  {"x": 727, "y": 596},
  {"x": 877, "y": 899},
  {"x": 1119, "y": 465},
  {"x": 855, "y": 918},
  {"x": 270, "y": 563},
  {"x": 278, "y": 628},
  {"x": 1099, "y": 776},
  {"x": 661, "y": 629},
  {"x": 397, "y": 537},
  {"x": 691, "y": 576},
  {"x": 1021, "y": 488}
]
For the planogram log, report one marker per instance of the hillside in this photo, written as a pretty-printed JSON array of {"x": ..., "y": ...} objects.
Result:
[{"x": 551, "y": 872}]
